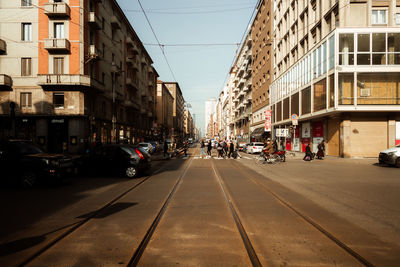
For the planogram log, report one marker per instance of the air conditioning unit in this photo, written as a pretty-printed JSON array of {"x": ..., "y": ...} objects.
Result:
[{"x": 365, "y": 92}]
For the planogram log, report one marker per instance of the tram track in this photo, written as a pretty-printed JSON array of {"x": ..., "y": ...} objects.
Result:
[
  {"x": 79, "y": 224},
  {"x": 308, "y": 219}
]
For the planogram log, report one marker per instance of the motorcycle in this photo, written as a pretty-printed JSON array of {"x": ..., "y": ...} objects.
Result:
[{"x": 277, "y": 156}]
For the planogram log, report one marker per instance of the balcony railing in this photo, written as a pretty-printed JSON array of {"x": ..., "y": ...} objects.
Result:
[
  {"x": 93, "y": 51},
  {"x": 6, "y": 82},
  {"x": 3, "y": 46},
  {"x": 57, "y": 9},
  {"x": 94, "y": 20},
  {"x": 115, "y": 22},
  {"x": 131, "y": 82},
  {"x": 57, "y": 45},
  {"x": 54, "y": 80}
]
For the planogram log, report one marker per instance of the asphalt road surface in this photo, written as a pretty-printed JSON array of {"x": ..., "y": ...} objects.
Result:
[{"x": 210, "y": 212}]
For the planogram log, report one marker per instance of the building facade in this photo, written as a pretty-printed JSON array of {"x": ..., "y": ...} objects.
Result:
[
  {"x": 73, "y": 72},
  {"x": 210, "y": 108},
  {"x": 178, "y": 110},
  {"x": 164, "y": 112},
  {"x": 261, "y": 67},
  {"x": 337, "y": 69}
]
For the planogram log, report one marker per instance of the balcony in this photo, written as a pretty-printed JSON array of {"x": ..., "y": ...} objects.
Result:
[
  {"x": 74, "y": 82},
  {"x": 143, "y": 111},
  {"x": 54, "y": 45},
  {"x": 3, "y": 46},
  {"x": 131, "y": 83},
  {"x": 115, "y": 22},
  {"x": 143, "y": 93},
  {"x": 129, "y": 42},
  {"x": 150, "y": 114},
  {"x": 151, "y": 83},
  {"x": 151, "y": 98},
  {"x": 130, "y": 59},
  {"x": 143, "y": 61},
  {"x": 246, "y": 88},
  {"x": 235, "y": 90},
  {"x": 93, "y": 52},
  {"x": 57, "y": 9},
  {"x": 6, "y": 82},
  {"x": 94, "y": 21}
]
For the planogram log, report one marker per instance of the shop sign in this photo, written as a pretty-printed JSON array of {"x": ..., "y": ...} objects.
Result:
[
  {"x": 305, "y": 142},
  {"x": 295, "y": 119},
  {"x": 296, "y": 144},
  {"x": 57, "y": 121},
  {"x": 282, "y": 132},
  {"x": 318, "y": 129},
  {"x": 306, "y": 130},
  {"x": 268, "y": 115}
]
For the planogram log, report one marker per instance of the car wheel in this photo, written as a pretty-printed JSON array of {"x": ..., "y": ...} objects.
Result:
[
  {"x": 130, "y": 172},
  {"x": 398, "y": 162},
  {"x": 28, "y": 179}
]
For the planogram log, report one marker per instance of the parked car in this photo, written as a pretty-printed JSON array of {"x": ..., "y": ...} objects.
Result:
[
  {"x": 254, "y": 147},
  {"x": 242, "y": 146},
  {"x": 116, "y": 159},
  {"x": 23, "y": 163},
  {"x": 390, "y": 156},
  {"x": 148, "y": 147},
  {"x": 156, "y": 146}
]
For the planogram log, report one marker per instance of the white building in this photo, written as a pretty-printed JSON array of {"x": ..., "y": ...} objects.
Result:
[{"x": 210, "y": 109}]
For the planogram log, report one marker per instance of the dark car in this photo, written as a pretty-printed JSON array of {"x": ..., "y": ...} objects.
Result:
[
  {"x": 25, "y": 164},
  {"x": 116, "y": 159}
]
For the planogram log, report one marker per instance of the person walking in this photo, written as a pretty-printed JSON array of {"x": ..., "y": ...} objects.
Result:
[
  {"x": 231, "y": 149},
  {"x": 165, "y": 148},
  {"x": 202, "y": 146},
  {"x": 309, "y": 155},
  {"x": 185, "y": 147},
  {"x": 209, "y": 148},
  {"x": 321, "y": 150}
]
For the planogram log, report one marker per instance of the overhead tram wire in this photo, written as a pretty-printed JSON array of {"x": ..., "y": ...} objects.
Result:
[
  {"x": 159, "y": 44},
  {"x": 180, "y": 45}
]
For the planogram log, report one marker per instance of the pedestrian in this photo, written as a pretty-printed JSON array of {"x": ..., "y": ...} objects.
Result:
[
  {"x": 225, "y": 147},
  {"x": 282, "y": 143},
  {"x": 309, "y": 155},
  {"x": 275, "y": 145},
  {"x": 231, "y": 149},
  {"x": 209, "y": 148},
  {"x": 202, "y": 146},
  {"x": 220, "y": 149},
  {"x": 185, "y": 147},
  {"x": 165, "y": 148},
  {"x": 321, "y": 150}
]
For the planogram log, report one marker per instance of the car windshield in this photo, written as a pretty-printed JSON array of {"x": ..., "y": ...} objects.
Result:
[
  {"x": 143, "y": 144},
  {"x": 25, "y": 148},
  {"x": 258, "y": 144},
  {"x": 128, "y": 150}
]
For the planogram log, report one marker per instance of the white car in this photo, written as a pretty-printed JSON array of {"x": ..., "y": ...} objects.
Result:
[
  {"x": 148, "y": 147},
  {"x": 254, "y": 147},
  {"x": 390, "y": 156}
]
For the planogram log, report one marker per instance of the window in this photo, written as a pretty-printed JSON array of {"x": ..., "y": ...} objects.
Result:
[
  {"x": 331, "y": 52},
  {"x": 363, "y": 49},
  {"x": 378, "y": 49},
  {"x": 26, "y": 66},
  {"x": 26, "y": 32},
  {"x": 379, "y": 16},
  {"x": 59, "y": 30},
  {"x": 346, "y": 88},
  {"x": 58, "y": 100},
  {"x": 26, "y": 100},
  {"x": 26, "y": 2},
  {"x": 398, "y": 18},
  {"x": 58, "y": 65},
  {"x": 393, "y": 42},
  {"x": 346, "y": 49}
]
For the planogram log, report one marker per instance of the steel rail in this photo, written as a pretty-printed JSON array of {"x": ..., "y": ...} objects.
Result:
[
  {"x": 145, "y": 241},
  {"x": 309, "y": 220},
  {"x": 246, "y": 241},
  {"x": 79, "y": 224}
]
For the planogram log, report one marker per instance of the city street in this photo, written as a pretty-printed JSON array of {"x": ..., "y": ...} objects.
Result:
[{"x": 211, "y": 212}]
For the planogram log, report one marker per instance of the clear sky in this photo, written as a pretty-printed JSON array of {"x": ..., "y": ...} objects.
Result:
[{"x": 201, "y": 71}]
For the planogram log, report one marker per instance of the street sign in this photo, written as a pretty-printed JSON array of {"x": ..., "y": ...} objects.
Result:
[{"x": 295, "y": 119}]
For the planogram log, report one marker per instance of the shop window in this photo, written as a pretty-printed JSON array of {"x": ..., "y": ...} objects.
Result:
[
  {"x": 294, "y": 105},
  {"x": 378, "y": 88},
  {"x": 346, "y": 49},
  {"x": 332, "y": 91},
  {"x": 58, "y": 100},
  {"x": 320, "y": 95},
  {"x": 26, "y": 100},
  {"x": 378, "y": 49},
  {"x": 393, "y": 42},
  {"x": 306, "y": 101},
  {"x": 346, "y": 88}
]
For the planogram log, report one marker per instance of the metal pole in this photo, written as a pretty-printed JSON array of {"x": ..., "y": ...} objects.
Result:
[{"x": 113, "y": 120}]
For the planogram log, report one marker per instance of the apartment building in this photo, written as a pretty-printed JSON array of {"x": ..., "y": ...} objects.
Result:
[
  {"x": 164, "y": 112},
  {"x": 241, "y": 85},
  {"x": 210, "y": 108},
  {"x": 261, "y": 68},
  {"x": 337, "y": 68},
  {"x": 178, "y": 110},
  {"x": 188, "y": 124},
  {"x": 72, "y": 72}
]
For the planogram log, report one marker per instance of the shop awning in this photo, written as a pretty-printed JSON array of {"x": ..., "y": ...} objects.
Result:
[{"x": 258, "y": 132}]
